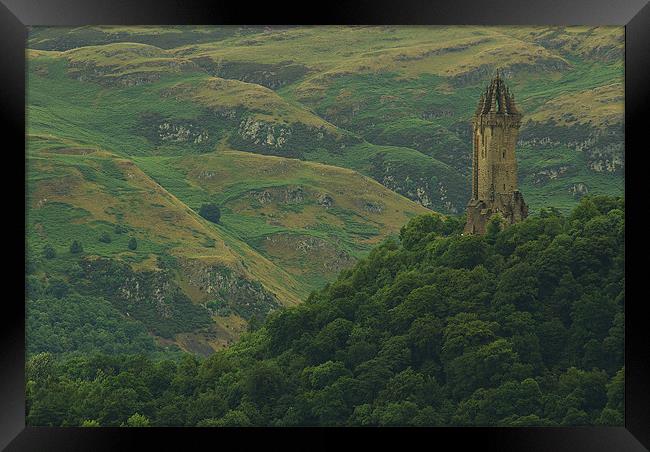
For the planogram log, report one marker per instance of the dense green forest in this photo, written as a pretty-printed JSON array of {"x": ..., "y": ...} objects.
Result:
[{"x": 522, "y": 326}]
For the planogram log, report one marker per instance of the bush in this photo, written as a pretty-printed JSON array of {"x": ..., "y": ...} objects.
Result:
[
  {"x": 105, "y": 238},
  {"x": 210, "y": 212},
  {"x": 90, "y": 423},
  {"x": 49, "y": 252},
  {"x": 137, "y": 420},
  {"x": 133, "y": 243},
  {"x": 120, "y": 229},
  {"x": 76, "y": 248},
  {"x": 57, "y": 288}
]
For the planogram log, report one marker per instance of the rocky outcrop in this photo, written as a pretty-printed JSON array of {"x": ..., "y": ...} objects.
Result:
[
  {"x": 373, "y": 207},
  {"x": 237, "y": 294},
  {"x": 318, "y": 255},
  {"x": 429, "y": 186},
  {"x": 546, "y": 175},
  {"x": 160, "y": 130},
  {"x": 603, "y": 147},
  {"x": 294, "y": 195},
  {"x": 325, "y": 200},
  {"x": 263, "y": 197},
  {"x": 287, "y": 140},
  {"x": 152, "y": 297},
  {"x": 168, "y": 131},
  {"x": 579, "y": 190},
  {"x": 123, "y": 76},
  {"x": 485, "y": 71},
  {"x": 264, "y": 134}
]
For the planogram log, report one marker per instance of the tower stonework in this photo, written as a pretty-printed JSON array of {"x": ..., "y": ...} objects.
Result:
[{"x": 496, "y": 125}]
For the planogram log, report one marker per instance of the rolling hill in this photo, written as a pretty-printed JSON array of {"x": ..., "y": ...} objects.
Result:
[
  {"x": 317, "y": 143},
  {"x": 287, "y": 228}
]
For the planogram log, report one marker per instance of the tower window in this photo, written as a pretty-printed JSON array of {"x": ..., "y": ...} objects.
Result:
[
  {"x": 503, "y": 153},
  {"x": 504, "y": 187}
]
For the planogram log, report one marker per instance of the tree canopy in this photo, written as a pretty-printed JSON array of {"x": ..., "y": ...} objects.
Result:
[
  {"x": 210, "y": 212},
  {"x": 523, "y": 326}
]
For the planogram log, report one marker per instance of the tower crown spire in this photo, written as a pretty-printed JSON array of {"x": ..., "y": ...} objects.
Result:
[{"x": 497, "y": 98}]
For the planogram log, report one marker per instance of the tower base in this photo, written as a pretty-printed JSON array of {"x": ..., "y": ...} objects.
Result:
[{"x": 479, "y": 211}]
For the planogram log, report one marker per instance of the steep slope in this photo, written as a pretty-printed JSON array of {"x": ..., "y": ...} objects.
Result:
[
  {"x": 287, "y": 228},
  {"x": 76, "y": 193},
  {"x": 311, "y": 219}
]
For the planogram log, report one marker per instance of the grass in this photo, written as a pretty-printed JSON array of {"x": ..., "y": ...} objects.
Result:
[{"x": 65, "y": 204}]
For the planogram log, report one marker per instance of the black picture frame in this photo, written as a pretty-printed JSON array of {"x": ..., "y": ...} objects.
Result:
[{"x": 17, "y": 15}]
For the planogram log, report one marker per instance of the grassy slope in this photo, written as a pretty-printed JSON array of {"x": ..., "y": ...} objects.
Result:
[
  {"x": 292, "y": 226},
  {"x": 408, "y": 87},
  {"x": 76, "y": 193},
  {"x": 290, "y": 247}
]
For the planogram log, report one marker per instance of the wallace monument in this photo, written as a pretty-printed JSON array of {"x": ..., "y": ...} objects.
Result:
[{"x": 494, "y": 164}]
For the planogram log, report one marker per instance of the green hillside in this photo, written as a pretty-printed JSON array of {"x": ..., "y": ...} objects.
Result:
[
  {"x": 316, "y": 143},
  {"x": 287, "y": 228},
  {"x": 358, "y": 97}
]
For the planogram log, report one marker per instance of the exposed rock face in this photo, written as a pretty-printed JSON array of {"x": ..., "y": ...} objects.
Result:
[
  {"x": 159, "y": 130},
  {"x": 437, "y": 114},
  {"x": 265, "y": 134},
  {"x": 114, "y": 75},
  {"x": 373, "y": 207},
  {"x": 181, "y": 133},
  {"x": 291, "y": 195},
  {"x": 549, "y": 174},
  {"x": 294, "y": 195},
  {"x": 150, "y": 296},
  {"x": 272, "y": 76},
  {"x": 417, "y": 183},
  {"x": 319, "y": 255},
  {"x": 264, "y": 196},
  {"x": 325, "y": 200},
  {"x": 579, "y": 190},
  {"x": 549, "y": 64},
  {"x": 603, "y": 147},
  {"x": 287, "y": 139},
  {"x": 245, "y": 297}
]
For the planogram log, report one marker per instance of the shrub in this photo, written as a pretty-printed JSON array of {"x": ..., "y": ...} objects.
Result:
[
  {"x": 210, "y": 212},
  {"x": 49, "y": 252},
  {"x": 105, "y": 238},
  {"x": 75, "y": 247},
  {"x": 57, "y": 288},
  {"x": 133, "y": 243}
]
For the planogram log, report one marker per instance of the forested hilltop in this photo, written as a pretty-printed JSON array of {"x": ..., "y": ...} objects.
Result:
[{"x": 523, "y": 326}]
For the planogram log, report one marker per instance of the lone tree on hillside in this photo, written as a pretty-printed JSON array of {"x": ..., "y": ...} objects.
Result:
[
  {"x": 133, "y": 243},
  {"x": 120, "y": 229},
  {"x": 210, "y": 212},
  {"x": 75, "y": 247},
  {"x": 49, "y": 252}
]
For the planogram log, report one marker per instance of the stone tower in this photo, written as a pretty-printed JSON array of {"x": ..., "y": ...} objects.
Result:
[{"x": 494, "y": 164}]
